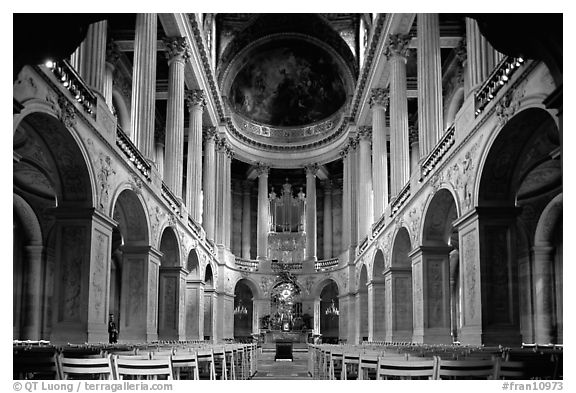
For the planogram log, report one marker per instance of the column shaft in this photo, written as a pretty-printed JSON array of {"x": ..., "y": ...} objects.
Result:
[
  {"x": 480, "y": 55},
  {"x": 246, "y": 228},
  {"x": 379, "y": 100},
  {"x": 144, "y": 84},
  {"x": 220, "y": 194},
  {"x": 311, "y": 171},
  {"x": 90, "y": 58},
  {"x": 327, "y": 220},
  {"x": 194, "y": 164},
  {"x": 365, "y": 213},
  {"x": 209, "y": 183},
  {"x": 227, "y": 198},
  {"x": 346, "y": 203},
  {"x": 354, "y": 187},
  {"x": 262, "y": 240}
]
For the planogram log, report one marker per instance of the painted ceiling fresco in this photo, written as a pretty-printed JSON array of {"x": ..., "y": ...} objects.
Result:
[{"x": 293, "y": 83}]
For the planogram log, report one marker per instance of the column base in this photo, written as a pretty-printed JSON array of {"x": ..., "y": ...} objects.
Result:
[
  {"x": 432, "y": 336},
  {"x": 504, "y": 337},
  {"x": 400, "y": 336},
  {"x": 470, "y": 335}
]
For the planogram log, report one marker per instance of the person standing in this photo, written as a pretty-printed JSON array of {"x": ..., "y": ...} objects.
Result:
[{"x": 112, "y": 330}]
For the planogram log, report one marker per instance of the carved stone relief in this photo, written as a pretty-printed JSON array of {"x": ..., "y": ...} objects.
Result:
[
  {"x": 470, "y": 266},
  {"x": 72, "y": 259},
  {"x": 101, "y": 246}
]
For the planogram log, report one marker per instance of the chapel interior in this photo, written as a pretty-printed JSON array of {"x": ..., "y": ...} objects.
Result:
[{"x": 313, "y": 179}]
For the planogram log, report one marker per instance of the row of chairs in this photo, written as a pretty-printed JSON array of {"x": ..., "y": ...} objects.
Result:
[
  {"x": 231, "y": 361},
  {"x": 362, "y": 362}
]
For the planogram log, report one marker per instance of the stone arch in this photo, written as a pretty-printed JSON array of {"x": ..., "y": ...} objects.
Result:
[
  {"x": 209, "y": 314},
  {"x": 170, "y": 285},
  {"x": 130, "y": 212},
  {"x": 549, "y": 221},
  {"x": 363, "y": 311},
  {"x": 377, "y": 296},
  {"x": 170, "y": 248},
  {"x": 440, "y": 212},
  {"x": 520, "y": 174},
  {"x": 244, "y": 294},
  {"x": 193, "y": 265},
  {"x": 329, "y": 323}
]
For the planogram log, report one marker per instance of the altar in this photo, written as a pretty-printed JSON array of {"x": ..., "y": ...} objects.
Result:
[{"x": 273, "y": 336}]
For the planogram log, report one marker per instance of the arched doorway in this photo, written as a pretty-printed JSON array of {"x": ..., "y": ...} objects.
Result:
[
  {"x": 209, "y": 304},
  {"x": 431, "y": 271},
  {"x": 521, "y": 174},
  {"x": 376, "y": 296},
  {"x": 399, "y": 285},
  {"x": 132, "y": 271},
  {"x": 362, "y": 305},
  {"x": 171, "y": 280},
  {"x": 53, "y": 236},
  {"x": 194, "y": 298},
  {"x": 243, "y": 311},
  {"x": 329, "y": 313}
]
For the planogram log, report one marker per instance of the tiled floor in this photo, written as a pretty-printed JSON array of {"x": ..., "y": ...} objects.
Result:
[{"x": 268, "y": 369}]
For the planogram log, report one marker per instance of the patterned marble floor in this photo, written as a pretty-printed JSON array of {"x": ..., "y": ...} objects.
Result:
[{"x": 268, "y": 369}]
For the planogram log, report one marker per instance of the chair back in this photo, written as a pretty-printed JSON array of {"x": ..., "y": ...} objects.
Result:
[
  {"x": 185, "y": 365},
  {"x": 142, "y": 368},
  {"x": 35, "y": 363},
  {"x": 206, "y": 363},
  {"x": 86, "y": 368},
  {"x": 368, "y": 366},
  {"x": 466, "y": 369},
  {"x": 351, "y": 365},
  {"x": 394, "y": 368},
  {"x": 509, "y": 369}
]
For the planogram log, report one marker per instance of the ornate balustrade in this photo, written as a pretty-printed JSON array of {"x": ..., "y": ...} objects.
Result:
[
  {"x": 69, "y": 78},
  {"x": 400, "y": 199},
  {"x": 247, "y": 264},
  {"x": 170, "y": 198},
  {"x": 439, "y": 151},
  {"x": 379, "y": 225},
  {"x": 497, "y": 79},
  {"x": 362, "y": 246},
  {"x": 196, "y": 228},
  {"x": 286, "y": 266},
  {"x": 326, "y": 264},
  {"x": 132, "y": 152}
]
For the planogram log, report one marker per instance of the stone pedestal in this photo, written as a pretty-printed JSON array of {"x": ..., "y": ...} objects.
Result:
[
  {"x": 171, "y": 306},
  {"x": 398, "y": 303},
  {"x": 194, "y": 309},
  {"x": 376, "y": 316}
]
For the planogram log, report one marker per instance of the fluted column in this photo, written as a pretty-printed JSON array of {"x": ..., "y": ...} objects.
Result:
[
  {"x": 311, "y": 171},
  {"x": 209, "y": 182},
  {"x": 414, "y": 148},
  {"x": 144, "y": 84},
  {"x": 354, "y": 187},
  {"x": 365, "y": 214},
  {"x": 196, "y": 103},
  {"x": 378, "y": 102},
  {"x": 430, "y": 123},
  {"x": 399, "y": 157},
  {"x": 219, "y": 236},
  {"x": 90, "y": 57},
  {"x": 159, "y": 143},
  {"x": 112, "y": 57},
  {"x": 346, "y": 203},
  {"x": 177, "y": 53},
  {"x": 246, "y": 228},
  {"x": 262, "y": 240},
  {"x": 327, "y": 219},
  {"x": 481, "y": 56},
  {"x": 228, "y": 154}
]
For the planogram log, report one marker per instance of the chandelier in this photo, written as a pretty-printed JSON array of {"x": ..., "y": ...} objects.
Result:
[
  {"x": 332, "y": 310},
  {"x": 240, "y": 309}
]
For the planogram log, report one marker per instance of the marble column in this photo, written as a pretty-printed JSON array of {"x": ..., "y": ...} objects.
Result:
[
  {"x": 430, "y": 109},
  {"x": 364, "y": 194},
  {"x": 414, "y": 149},
  {"x": 177, "y": 53},
  {"x": 246, "y": 225},
  {"x": 317, "y": 316},
  {"x": 220, "y": 220},
  {"x": 90, "y": 58},
  {"x": 144, "y": 84},
  {"x": 227, "y": 219},
  {"x": 480, "y": 55},
  {"x": 159, "y": 142},
  {"x": 399, "y": 155},
  {"x": 32, "y": 292},
  {"x": 209, "y": 182},
  {"x": 311, "y": 171},
  {"x": 196, "y": 102},
  {"x": 327, "y": 219},
  {"x": 378, "y": 102},
  {"x": 543, "y": 284},
  {"x": 354, "y": 186},
  {"x": 112, "y": 57},
  {"x": 346, "y": 203},
  {"x": 263, "y": 220}
]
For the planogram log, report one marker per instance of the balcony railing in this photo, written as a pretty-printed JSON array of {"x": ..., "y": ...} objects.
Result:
[
  {"x": 439, "y": 151},
  {"x": 400, "y": 199},
  {"x": 378, "y": 225},
  {"x": 132, "y": 152},
  {"x": 362, "y": 246},
  {"x": 286, "y": 266},
  {"x": 170, "y": 198},
  {"x": 326, "y": 264},
  {"x": 497, "y": 79},
  {"x": 196, "y": 228},
  {"x": 247, "y": 264},
  {"x": 69, "y": 78}
]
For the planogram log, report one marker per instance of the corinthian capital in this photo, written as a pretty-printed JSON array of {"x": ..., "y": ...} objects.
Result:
[
  {"x": 397, "y": 45},
  {"x": 112, "y": 53},
  {"x": 379, "y": 97},
  {"x": 364, "y": 132},
  {"x": 195, "y": 98},
  {"x": 312, "y": 169},
  {"x": 177, "y": 48},
  {"x": 208, "y": 132},
  {"x": 262, "y": 169}
]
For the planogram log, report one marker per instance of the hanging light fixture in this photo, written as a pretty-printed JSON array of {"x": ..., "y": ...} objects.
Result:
[
  {"x": 240, "y": 309},
  {"x": 332, "y": 310}
]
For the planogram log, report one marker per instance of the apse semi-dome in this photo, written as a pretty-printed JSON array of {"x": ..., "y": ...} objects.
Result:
[{"x": 287, "y": 83}]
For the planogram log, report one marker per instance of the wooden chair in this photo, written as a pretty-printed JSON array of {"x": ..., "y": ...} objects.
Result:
[
  {"x": 220, "y": 363},
  {"x": 35, "y": 363},
  {"x": 466, "y": 369},
  {"x": 368, "y": 366},
  {"x": 394, "y": 368},
  {"x": 185, "y": 365},
  {"x": 509, "y": 369},
  {"x": 86, "y": 368},
  {"x": 336, "y": 357},
  {"x": 231, "y": 356},
  {"x": 142, "y": 368},
  {"x": 351, "y": 365},
  {"x": 206, "y": 363}
]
